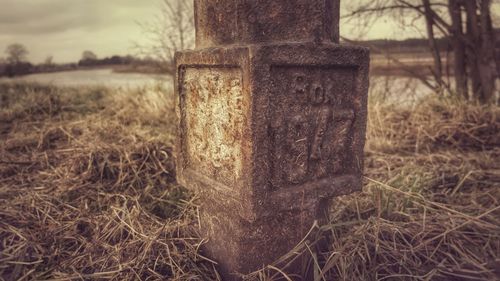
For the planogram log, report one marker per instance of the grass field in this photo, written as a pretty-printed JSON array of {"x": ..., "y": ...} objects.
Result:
[{"x": 88, "y": 192}]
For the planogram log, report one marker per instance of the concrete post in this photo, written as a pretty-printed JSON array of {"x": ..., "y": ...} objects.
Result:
[{"x": 272, "y": 117}]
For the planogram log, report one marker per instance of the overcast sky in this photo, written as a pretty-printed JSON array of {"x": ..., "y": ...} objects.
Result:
[{"x": 65, "y": 28}]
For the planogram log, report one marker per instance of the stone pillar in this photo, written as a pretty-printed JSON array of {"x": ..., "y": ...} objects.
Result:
[{"x": 272, "y": 116}]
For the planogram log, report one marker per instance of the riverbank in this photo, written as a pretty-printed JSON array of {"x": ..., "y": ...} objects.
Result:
[
  {"x": 100, "y": 77},
  {"x": 88, "y": 191}
]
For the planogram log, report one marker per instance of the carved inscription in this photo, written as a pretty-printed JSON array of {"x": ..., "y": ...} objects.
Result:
[
  {"x": 213, "y": 122},
  {"x": 311, "y": 127}
]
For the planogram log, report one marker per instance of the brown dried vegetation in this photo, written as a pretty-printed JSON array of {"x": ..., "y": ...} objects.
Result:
[
  {"x": 430, "y": 207},
  {"x": 87, "y": 192},
  {"x": 87, "y": 188}
]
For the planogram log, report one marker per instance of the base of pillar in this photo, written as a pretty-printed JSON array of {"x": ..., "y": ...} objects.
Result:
[
  {"x": 267, "y": 135},
  {"x": 243, "y": 247}
]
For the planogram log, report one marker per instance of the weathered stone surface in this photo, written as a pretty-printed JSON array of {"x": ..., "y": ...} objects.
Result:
[
  {"x": 272, "y": 117},
  {"x": 268, "y": 134},
  {"x": 214, "y": 122},
  {"x": 258, "y": 21}
]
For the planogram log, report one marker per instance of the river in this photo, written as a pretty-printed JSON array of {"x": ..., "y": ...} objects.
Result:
[
  {"x": 94, "y": 77},
  {"x": 397, "y": 89}
]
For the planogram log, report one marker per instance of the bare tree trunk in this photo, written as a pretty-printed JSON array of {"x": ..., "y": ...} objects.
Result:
[
  {"x": 180, "y": 27},
  {"x": 474, "y": 52},
  {"x": 482, "y": 61},
  {"x": 474, "y": 36},
  {"x": 487, "y": 60},
  {"x": 429, "y": 20},
  {"x": 459, "y": 62}
]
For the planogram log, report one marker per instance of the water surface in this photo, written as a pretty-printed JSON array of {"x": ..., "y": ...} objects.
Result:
[
  {"x": 94, "y": 77},
  {"x": 396, "y": 89}
]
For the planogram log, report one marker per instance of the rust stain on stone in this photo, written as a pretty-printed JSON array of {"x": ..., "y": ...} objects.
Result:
[
  {"x": 254, "y": 21},
  {"x": 272, "y": 120},
  {"x": 313, "y": 113}
]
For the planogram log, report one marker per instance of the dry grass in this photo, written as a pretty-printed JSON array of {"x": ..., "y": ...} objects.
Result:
[
  {"x": 430, "y": 208},
  {"x": 87, "y": 188},
  {"x": 87, "y": 192}
]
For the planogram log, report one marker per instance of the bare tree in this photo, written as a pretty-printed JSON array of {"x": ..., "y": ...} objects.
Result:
[
  {"x": 16, "y": 53},
  {"x": 430, "y": 25},
  {"x": 49, "y": 60},
  {"x": 172, "y": 30},
  {"x": 487, "y": 59},
  {"x": 459, "y": 47},
  {"x": 473, "y": 45},
  {"x": 88, "y": 55}
]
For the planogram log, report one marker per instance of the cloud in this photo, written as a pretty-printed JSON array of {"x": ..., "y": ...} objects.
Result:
[
  {"x": 65, "y": 28},
  {"x": 33, "y": 17}
]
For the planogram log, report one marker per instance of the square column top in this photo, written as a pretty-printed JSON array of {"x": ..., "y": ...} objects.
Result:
[{"x": 228, "y": 22}]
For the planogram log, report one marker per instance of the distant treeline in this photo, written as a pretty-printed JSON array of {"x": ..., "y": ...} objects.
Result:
[
  {"x": 25, "y": 68},
  {"x": 121, "y": 62},
  {"x": 412, "y": 45},
  {"x": 114, "y": 60},
  {"x": 147, "y": 65}
]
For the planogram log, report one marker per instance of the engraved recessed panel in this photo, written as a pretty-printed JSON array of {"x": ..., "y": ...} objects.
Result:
[
  {"x": 213, "y": 122},
  {"x": 313, "y": 112}
]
